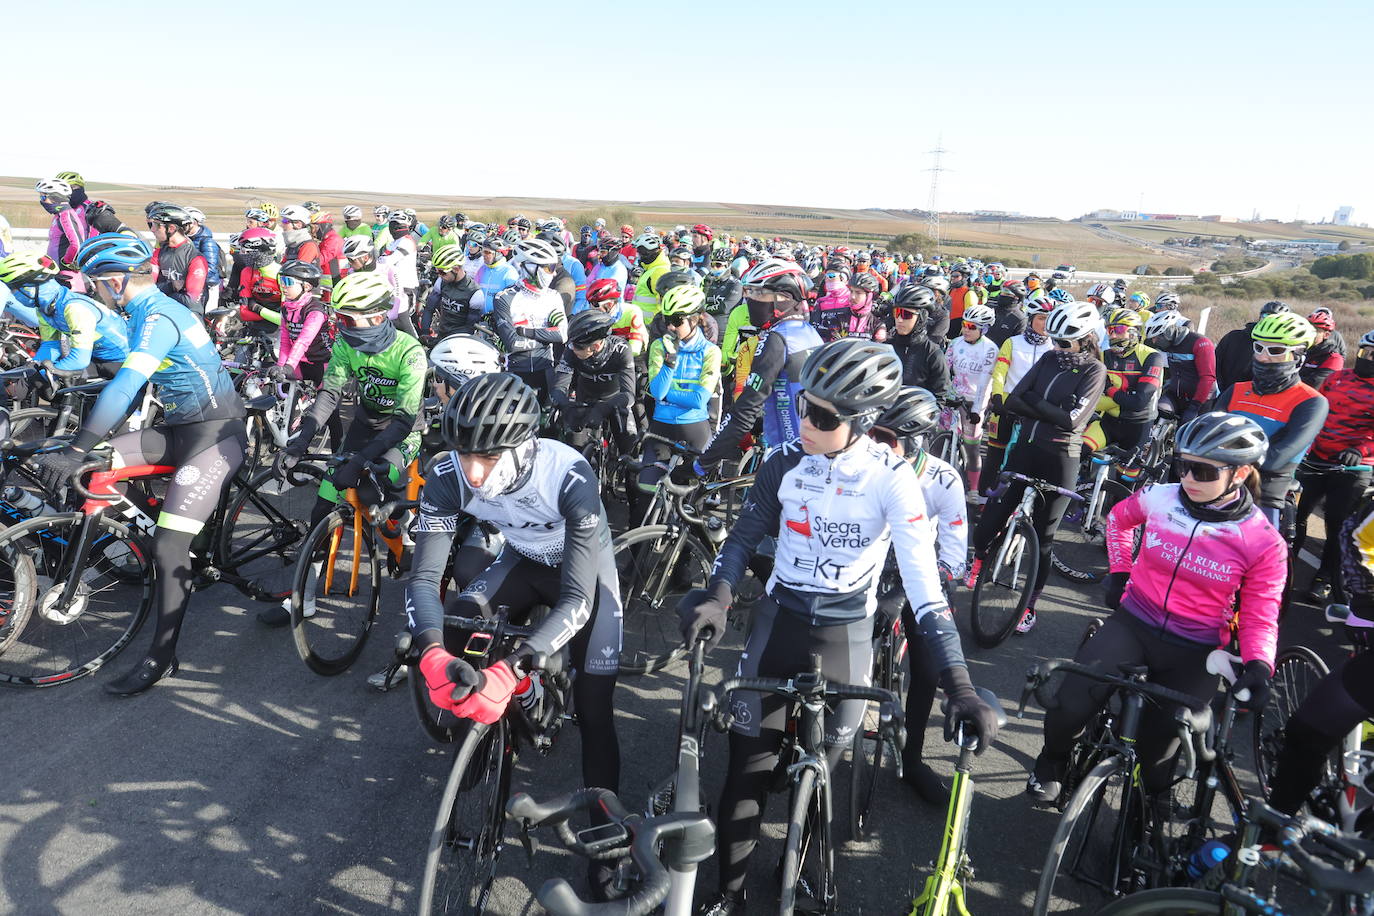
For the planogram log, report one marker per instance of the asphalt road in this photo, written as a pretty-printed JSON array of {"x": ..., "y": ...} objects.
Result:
[{"x": 247, "y": 784}]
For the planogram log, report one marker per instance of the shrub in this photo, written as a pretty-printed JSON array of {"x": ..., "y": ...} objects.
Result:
[
  {"x": 912, "y": 242},
  {"x": 1178, "y": 272}
]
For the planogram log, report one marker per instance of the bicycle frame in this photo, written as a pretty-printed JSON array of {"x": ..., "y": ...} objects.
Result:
[
  {"x": 364, "y": 516},
  {"x": 945, "y": 885}
]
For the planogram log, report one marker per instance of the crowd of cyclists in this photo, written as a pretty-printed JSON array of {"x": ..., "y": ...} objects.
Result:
[{"x": 839, "y": 364}]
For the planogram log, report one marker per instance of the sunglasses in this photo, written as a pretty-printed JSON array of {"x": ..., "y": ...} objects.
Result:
[
  {"x": 675, "y": 320},
  {"x": 1198, "y": 470},
  {"x": 762, "y": 294},
  {"x": 904, "y": 314},
  {"x": 970, "y": 326},
  {"x": 360, "y": 321},
  {"x": 1062, "y": 343},
  {"x": 883, "y": 437},
  {"x": 818, "y": 416},
  {"x": 1120, "y": 329},
  {"x": 1272, "y": 349},
  {"x": 287, "y": 281}
]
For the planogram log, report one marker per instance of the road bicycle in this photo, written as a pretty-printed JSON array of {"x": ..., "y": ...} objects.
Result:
[
  {"x": 802, "y": 765},
  {"x": 872, "y": 743},
  {"x": 943, "y": 892},
  {"x": 948, "y": 442},
  {"x": 1002, "y": 589},
  {"x": 1080, "y": 546},
  {"x": 469, "y": 831}
]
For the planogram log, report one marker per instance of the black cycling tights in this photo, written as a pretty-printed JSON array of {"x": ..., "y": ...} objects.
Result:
[
  {"x": 1125, "y": 639},
  {"x": 1051, "y": 463},
  {"x": 920, "y": 694},
  {"x": 206, "y": 456},
  {"x": 1342, "y": 700},
  {"x": 312, "y": 372}
]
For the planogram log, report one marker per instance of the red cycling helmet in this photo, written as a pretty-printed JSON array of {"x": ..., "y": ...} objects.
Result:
[
  {"x": 1322, "y": 320},
  {"x": 703, "y": 229},
  {"x": 604, "y": 290}
]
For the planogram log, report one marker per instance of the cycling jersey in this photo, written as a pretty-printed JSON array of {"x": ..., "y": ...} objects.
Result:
[
  {"x": 180, "y": 273},
  {"x": 1357, "y": 558},
  {"x": 944, "y": 496},
  {"x": 970, "y": 369},
  {"x": 722, "y": 295},
  {"x": 69, "y": 321},
  {"x": 1290, "y": 418},
  {"x": 1350, "y": 419},
  {"x": 771, "y": 389},
  {"x": 834, "y": 519},
  {"x": 1234, "y": 356},
  {"x": 1192, "y": 371},
  {"x": 493, "y": 278},
  {"x": 683, "y": 391},
  {"x": 1016, "y": 356},
  {"x": 452, "y": 307},
  {"x": 960, "y": 298},
  {"x": 579, "y": 277},
  {"x": 646, "y": 287},
  {"x": 1056, "y": 401},
  {"x": 1134, "y": 382},
  {"x": 1320, "y": 361},
  {"x": 1011, "y": 321},
  {"x": 617, "y": 272},
  {"x": 529, "y": 323},
  {"x": 553, "y": 516},
  {"x": 1185, "y": 578},
  {"x": 401, "y": 256},
  {"x": 66, "y": 235},
  {"x": 730, "y": 342},
  {"x": 923, "y": 362},
  {"x": 605, "y": 379},
  {"x": 332, "y": 260},
  {"x": 205, "y": 243},
  {"x": 360, "y": 229},
  {"x": 169, "y": 347},
  {"x": 304, "y": 332},
  {"x": 629, "y": 326}
]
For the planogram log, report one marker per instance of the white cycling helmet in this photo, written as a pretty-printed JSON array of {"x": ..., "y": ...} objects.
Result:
[
  {"x": 196, "y": 214},
  {"x": 53, "y": 186},
  {"x": 531, "y": 255},
  {"x": 981, "y": 315},
  {"x": 1072, "y": 320},
  {"x": 459, "y": 357},
  {"x": 1165, "y": 324},
  {"x": 355, "y": 246},
  {"x": 939, "y": 284},
  {"x": 381, "y": 211},
  {"x": 1104, "y": 292},
  {"x": 295, "y": 214},
  {"x": 353, "y": 211}
]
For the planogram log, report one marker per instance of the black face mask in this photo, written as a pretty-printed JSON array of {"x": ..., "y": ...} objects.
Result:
[
  {"x": 610, "y": 257},
  {"x": 370, "y": 340},
  {"x": 1364, "y": 368},
  {"x": 645, "y": 255},
  {"x": 1271, "y": 378},
  {"x": 760, "y": 313}
]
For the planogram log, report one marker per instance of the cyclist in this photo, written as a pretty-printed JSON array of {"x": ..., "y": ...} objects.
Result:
[
  {"x": 860, "y": 320},
  {"x": 653, "y": 264},
  {"x": 401, "y": 254},
  {"x": 179, "y": 268},
  {"x": 333, "y": 265},
  {"x": 1204, "y": 545},
  {"x": 1290, "y": 412},
  {"x": 204, "y": 240},
  {"x": 610, "y": 264},
  {"x": 831, "y": 308},
  {"x": 562, "y": 283},
  {"x": 971, "y": 358},
  {"x": 831, "y": 544},
  {"x": 1016, "y": 356},
  {"x": 1011, "y": 319},
  {"x": 455, "y": 304},
  {"x": 1346, "y": 438},
  {"x": 627, "y": 320},
  {"x": 543, "y": 498},
  {"x": 1233, "y": 351},
  {"x": 1135, "y": 377},
  {"x": 595, "y": 381},
  {"x": 722, "y": 288},
  {"x": 363, "y": 259},
  {"x": 529, "y": 318},
  {"x": 300, "y": 244},
  {"x": 202, "y": 432},
  {"x": 1326, "y": 355},
  {"x": 381, "y": 233},
  {"x": 1054, "y": 401},
  {"x": 901, "y": 427},
  {"x": 684, "y": 376},
  {"x": 389, "y": 370},
  {"x": 497, "y": 274},
  {"x": 68, "y": 229},
  {"x": 75, "y": 331},
  {"x": 775, "y": 294},
  {"x": 1190, "y": 377},
  {"x": 353, "y": 223},
  {"x": 702, "y": 249},
  {"x": 444, "y": 233},
  {"x": 472, "y": 250},
  {"x": 571, "y": 267},
  {"x": 937, "y": 325},
  {"x": 961, "y": 296},
  {"x": 923, "y": 358}
]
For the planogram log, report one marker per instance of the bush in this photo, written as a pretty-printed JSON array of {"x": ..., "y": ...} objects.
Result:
[
  {"x": 1178, "y": 272},
  {"x": 1236, "y": 265},
  {"x": 615, "y": 217},
  {"x": 913, "y": 242},
  {"x": 1352, "y": 266}
]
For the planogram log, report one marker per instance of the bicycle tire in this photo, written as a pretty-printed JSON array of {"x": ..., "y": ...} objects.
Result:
[
  {"x": 1088, "y": 560},
  {"x": 262, "y": 531},
  {"x": 1004, "y": 584},
  {"x": 1104, "y": 785},
  {"x": 460, "y": 861},
  {"x": 652, "y": 581},
  {"x": 30, "y": 424},
  {"x": 867, "y": 749},
  {"x": 332, "y": 638},
  {"x": 112, "y": 602},
  {"x": 943, "y": 445},
  {"x": 799, "y": 844},
  {"x": 442, "y": 726},
  {"x": 1297, "y": 670},
  {"x": 1166, "y": 901}
]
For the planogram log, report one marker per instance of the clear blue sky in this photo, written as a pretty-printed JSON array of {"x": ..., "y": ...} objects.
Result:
[{"x": 1053, "y": 109}]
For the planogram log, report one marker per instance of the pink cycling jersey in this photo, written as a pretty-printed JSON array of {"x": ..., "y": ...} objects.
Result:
[{"x": 1188, "y": 572}]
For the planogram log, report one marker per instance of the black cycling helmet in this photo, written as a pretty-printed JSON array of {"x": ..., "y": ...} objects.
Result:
[
  {"x": 555, "y": 241},
  {"x": 672, "y": 279},
  {"x": 171, "y": 213},
  {"x": 303, "y": 271},
  {"x": 589, "y": 326},
  {"x": 1274, "y": 307},
  {"x": 913, "y": 413},
  {"x": 447, "y": 222},
  {"x": 859, "y": 377},
  {"x": 1226, "y": 437},
  {"x": 866, "y": 282},
  {"x": 491, "y": 413},
  {"x": 915, "y": 297}
]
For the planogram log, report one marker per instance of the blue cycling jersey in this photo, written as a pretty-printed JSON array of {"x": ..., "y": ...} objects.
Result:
[
  {"x": 88, "y": 329},
  {"x": 170, "y": 348}
]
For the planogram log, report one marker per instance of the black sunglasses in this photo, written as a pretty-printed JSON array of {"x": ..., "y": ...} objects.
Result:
[
  {"x": 818, "y": 416},
  {"x": 1062, "y": 343},
  {"x": 1199, "y": 470}
]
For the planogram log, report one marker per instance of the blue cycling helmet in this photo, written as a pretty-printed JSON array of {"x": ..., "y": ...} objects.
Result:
[
  {"x": 1061, "y": 295},
  {"x": 113, "y": 252}
]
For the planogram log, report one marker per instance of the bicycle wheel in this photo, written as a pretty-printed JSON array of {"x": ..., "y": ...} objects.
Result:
[
  {"x": 441, "y": 725},
  {"x": 335, "y": 592},
  {"x": 33, "y": 423},
  {"x": 868, "y": 747},
  {"x": 1080, "y": 547},
  {"x": 1090, "y": 857},
  {"x": 656, "y": 566},
  {"x": 943, "y": 445},
  {"x": 467, "y": 837},
  {"x": 807, "y": 852},
  {"x": 1297, "y": 670},
  {"x": 1004, "y": 584},
  {"x": 1167, "y": 901},
  {"x": 44, "y": 643},
  {"x": 263, "y": 530}
]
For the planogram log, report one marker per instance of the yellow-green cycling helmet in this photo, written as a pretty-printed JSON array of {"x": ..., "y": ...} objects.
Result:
[
  {"x": 1284, "y": 328},
  {"x": 683, "y": 300}
]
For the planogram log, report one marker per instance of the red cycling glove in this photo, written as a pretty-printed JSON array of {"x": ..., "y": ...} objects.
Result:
[
  {"x": 488, "y": 700},
  {"x": 450, "y": 680}
]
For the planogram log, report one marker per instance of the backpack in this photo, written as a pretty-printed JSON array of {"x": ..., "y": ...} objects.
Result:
[{"x": 101, "y": 218}]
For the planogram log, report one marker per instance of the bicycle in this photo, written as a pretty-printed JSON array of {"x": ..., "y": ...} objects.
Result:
[
  {"x": 336, "y": 583},
  {"x": 685, "y": 838},
  {"x": 802, "y": 764},
  {"x": 658, "y": 562},
  {"x": 1112, "y": 840},
  {"x": 1326, "y": 584},
  {"x": 469, "y": 830},
  {"x": 872, "y": 745},
  {"x": 948, "y": 443},
  {"x": 76, "y": 586},
  {"x": 1231, "y": 892},
  {"x": 1003, "y": 587},
  {"x": 943, "y": 892},
  {"x": 1084, "y": 525}
]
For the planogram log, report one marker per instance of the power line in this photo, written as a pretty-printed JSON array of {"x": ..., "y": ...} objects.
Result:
[{"x": 933, "y": 207}]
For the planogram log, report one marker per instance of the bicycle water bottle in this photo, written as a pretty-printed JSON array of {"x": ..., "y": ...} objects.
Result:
[
  {"x": 1209, "y": 855},
  {"x": 26, "y": 502}
]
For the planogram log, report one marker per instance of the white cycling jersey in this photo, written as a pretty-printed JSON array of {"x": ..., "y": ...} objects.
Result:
[
  {"x": 970, "y": 370},
  {"x": 944, "y": 495}
]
